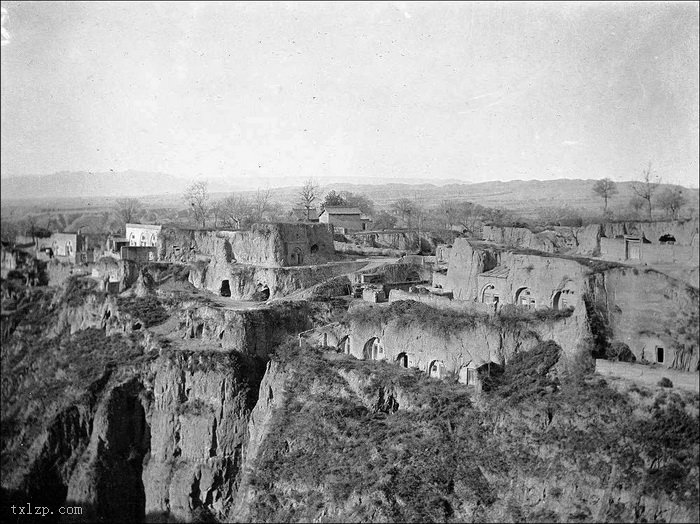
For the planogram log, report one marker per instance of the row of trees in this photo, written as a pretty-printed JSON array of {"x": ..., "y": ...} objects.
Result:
[
  {"x": 646, "y": 195},
  {"x": 238, "y": 211}
]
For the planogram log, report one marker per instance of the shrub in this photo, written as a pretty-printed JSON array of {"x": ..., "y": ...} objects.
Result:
[
  {"x": 619, "y": 351},
  {"x": 148, "y": 309},
  {"x": 665, "y": 383}
]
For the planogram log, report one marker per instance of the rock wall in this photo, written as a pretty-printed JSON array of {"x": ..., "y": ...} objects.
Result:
[
  {"x": 245, "y": 281},
  {"x": 645, "y": 309},
  {"x": 586, "y": 240},
  {"x": 685, "y": 232},
  {"x": 201, "y": 406},
  {"x": 486, "y": 341},
  {"x": 268, "y": 245},
  {"x": 556, "y": 240},
  {"x": 253, "y": 332},
  {"x": 465, "y": 264}
]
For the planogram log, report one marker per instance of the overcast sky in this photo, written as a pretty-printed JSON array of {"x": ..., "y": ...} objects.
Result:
[{"x": 469, "y": 91}]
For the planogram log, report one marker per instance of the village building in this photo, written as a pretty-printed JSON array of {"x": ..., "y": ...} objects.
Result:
[
  {"x": 68, "y": 246},
  {"x": 344, "y": 218},
  {"x": 145, "y": 235}
]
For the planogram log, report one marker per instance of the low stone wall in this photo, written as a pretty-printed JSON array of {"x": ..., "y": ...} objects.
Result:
[
  {"x": 354, "y": 249},
  {"x": 649, "y": 375},
  {"x": 439, "y": 302}
]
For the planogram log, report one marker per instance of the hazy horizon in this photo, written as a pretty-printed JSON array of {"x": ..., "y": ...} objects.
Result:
[{"x": 352, "y": 91}]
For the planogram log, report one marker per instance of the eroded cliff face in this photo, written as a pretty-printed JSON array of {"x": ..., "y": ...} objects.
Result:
[
  {"x": 244, "y": 282},
  {"x": 646, "y": 309},
  {"x": 465, "y": 264},
  {"x": 345, "y": 440},
  {"x": 199, "y": 418}
]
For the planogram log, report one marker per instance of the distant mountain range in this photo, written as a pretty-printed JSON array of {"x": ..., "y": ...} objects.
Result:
[
  {"x": 84, "y": 184},
  {"x": 81, "y": 189}
]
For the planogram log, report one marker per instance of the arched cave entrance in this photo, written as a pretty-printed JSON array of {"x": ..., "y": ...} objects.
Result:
[
  {"x": 314, "y": 249},
  {"x": 402, "y": 360},
  {"x": 523, "y": 297},
  {"x": 297, "y": 257},
  {"x": 373, "y": 350},
  {"x": 563, "y": 299},
  {"x": 436, "y": 369},
  {"x": 667, "y": 238},
  {"x": 489, "y": 295},
  {"x": 225, "y": 290},
  {"x": 344, "y": 345}
]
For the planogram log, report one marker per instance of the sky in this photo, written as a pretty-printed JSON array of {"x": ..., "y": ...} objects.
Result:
[{"x": 353, "y": 91}]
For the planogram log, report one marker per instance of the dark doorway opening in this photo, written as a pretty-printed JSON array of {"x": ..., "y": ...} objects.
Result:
[
  {"x": 402, "y": 360},
  {"x": 660, "y": 355},
  {"x": 225, "y": 289}
]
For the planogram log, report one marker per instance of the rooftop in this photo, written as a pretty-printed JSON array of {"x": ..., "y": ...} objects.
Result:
[
  {"x": 497, "y": 272},
  {"x": 145, "y": 226},
  {"x": 342, "y": 210}
]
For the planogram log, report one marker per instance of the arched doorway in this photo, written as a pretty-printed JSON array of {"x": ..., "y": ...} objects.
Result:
[
  {"x": 402, "y": 360},
  {"x": 489, "y": 295},
  {"x": 344, "y": 345},
  {"x": 436, "y": 369},
  {"x": 143, "y": 239},
  {"x": 373, "y": 350},
  {"x": 297, "y": 257},
  {"x": 225, "y": 290},
  {"x": 314, "y": 248},
  {"x": 563, "y": 299},
  {"x": 523, "y": 297}
]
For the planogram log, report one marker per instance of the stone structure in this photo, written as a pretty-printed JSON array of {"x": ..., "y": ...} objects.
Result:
[
  {"x": 146, "y": 235},
  {"x": 639, "y": 305},
  {"x": 69, "y": 247},
  {"x": 266, "y": 244},
  {"x": 345, "y": 218}
]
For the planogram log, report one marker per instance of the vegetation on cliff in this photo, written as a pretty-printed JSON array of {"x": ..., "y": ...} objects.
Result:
[{"x": 583, "y": 450}]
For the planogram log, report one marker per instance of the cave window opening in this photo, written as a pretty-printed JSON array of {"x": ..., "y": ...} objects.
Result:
[
  {"x": 314, "y": 248},
  {"x": 667, "y": 239},
  {"x": 225, "y": 290}
]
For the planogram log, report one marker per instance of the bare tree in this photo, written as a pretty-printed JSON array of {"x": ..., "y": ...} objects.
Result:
[
  {"x": 636, "y": 204},
  {"x": 260, "y": 205},
  {"x": 127, "y": 210},
  {"x": 217, "y": 212},
  {"x": 671, "y": 200},
  {"x": 236, "y": 210},
  {"x": 645, "y": 188},
  {"x": 307, "y": 195},
  {"x": 197, "y": 197},
  {"x": 404, "y": 207},
  {"x": 605, "y": 189}
]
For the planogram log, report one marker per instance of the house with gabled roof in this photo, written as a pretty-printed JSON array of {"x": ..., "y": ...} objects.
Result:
[{"x": 343, "y": 217}]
